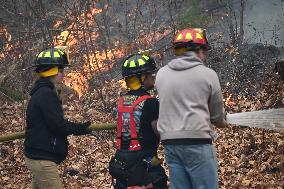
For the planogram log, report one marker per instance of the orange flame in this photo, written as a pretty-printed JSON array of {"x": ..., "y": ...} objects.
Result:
[{"x": 93, "y": 61}]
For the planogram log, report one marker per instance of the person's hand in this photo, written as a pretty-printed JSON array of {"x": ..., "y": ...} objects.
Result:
[
  {"x": 155, "y": 161},
  {"x": 221, "y": 124},
  {"x": 86, "y": 125},
  {"x": 83, "y": 128}
]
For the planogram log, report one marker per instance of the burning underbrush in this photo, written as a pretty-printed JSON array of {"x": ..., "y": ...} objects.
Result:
[{"x": 248, "y": 158}]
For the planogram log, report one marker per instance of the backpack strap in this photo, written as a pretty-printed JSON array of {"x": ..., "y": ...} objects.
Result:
[
  {"x": 141, "y": 99},
  {"x": 134, "y": 143},
  {"x": 121, "y": 109},
  {"x": 119, "y": 123}
]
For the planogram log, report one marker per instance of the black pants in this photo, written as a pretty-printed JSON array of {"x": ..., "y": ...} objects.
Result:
[
  {"x": 155, "y": 174},
  {"x": 157, "y": 170}
]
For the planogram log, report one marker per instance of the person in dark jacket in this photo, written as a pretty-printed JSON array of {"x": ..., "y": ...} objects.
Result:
[
  {"x": 46, "y": 143},
  {"x": 137, "y": 136}
]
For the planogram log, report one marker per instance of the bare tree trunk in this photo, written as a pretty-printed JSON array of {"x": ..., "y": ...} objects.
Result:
[
  {"x": 241, "y": 35},
  {"x": 231, "y": 24}
]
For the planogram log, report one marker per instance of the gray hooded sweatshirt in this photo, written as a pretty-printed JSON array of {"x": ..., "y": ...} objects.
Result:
[{"x": 190, "y": 99}]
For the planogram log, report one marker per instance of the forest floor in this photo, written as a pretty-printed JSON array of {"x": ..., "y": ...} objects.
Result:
[{"x": 247, "y": 158}]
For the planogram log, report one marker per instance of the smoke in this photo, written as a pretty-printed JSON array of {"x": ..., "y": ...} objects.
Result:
[{"x": 263, "y": 21}]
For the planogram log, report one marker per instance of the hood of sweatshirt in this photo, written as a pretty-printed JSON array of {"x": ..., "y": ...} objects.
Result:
[
  {"x": 186, "y": 61},
  {"x": 42, "y": 82}
]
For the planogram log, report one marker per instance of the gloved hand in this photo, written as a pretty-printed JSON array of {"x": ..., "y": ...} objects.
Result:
[
  {"x": 82, "y": 129},
  {"x": 156, "y": 161}
]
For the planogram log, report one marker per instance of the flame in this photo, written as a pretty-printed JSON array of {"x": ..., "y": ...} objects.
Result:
[
  {"x": 68, "y": 34},
  {"x": 92, "y": 61},
  {"x": 96, "y": 61},
  {"x": 76, "y": 81},
  {"x": 103, "y": 60},
  {"x": 63, "y": 35}
]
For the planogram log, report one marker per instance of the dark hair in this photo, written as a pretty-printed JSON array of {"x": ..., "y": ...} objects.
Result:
[{"x": 196, "y": 50}]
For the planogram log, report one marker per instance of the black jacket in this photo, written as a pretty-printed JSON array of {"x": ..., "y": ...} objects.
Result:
[{"x": 47, "y": 130}]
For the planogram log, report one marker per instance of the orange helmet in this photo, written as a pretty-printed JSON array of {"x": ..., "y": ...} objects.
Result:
[{"x": 193, "y": 38}]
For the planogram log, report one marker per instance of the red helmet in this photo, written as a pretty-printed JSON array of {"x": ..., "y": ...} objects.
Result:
[{"x": 193, "y": 38}]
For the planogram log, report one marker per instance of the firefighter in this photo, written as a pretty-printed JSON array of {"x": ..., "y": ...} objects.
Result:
[
  {"x": 135, "y": 162},
  {"x": 46, "y": 143},
  {"x": 190, "y": 100}
]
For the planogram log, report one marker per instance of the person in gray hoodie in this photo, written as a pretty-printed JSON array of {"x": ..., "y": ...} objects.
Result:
[{"x": 190, "y": 102}]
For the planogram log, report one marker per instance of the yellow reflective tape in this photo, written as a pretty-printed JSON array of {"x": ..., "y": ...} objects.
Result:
[
  {"x": 179, "y": 37},
  {"x": 145, "y": 57},
  {"x": 125, "y": 63},
  {"x": 40, "y": 55},
  {"x": 47, "y": 54},
  {"x": 141, "y": 62},
  {"x": 56, "y": 54},
  {"x": 61, "y": 52},
  {"x": 198, "y": 36},
  {"x": 132, "y": 64},
  {"x": 188, "y": 36}
]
